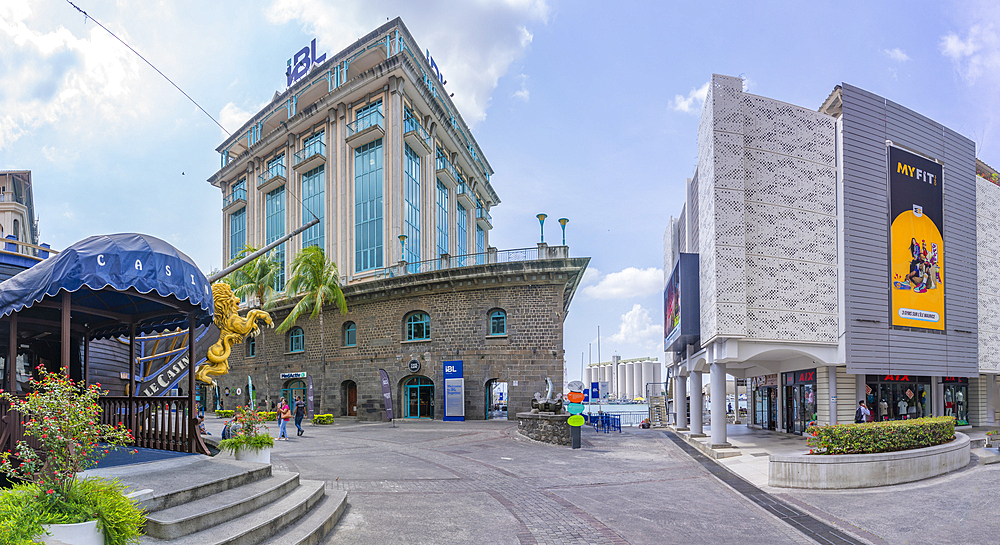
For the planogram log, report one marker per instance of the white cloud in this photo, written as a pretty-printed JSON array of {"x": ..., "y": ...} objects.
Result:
[
  {"x": 49, "y": 76},
  {"x": 591, "y": 276},
  {"x": 896, "y": 54},
  {"x": 522, "y": 93},
  {"x": 693, "y": 102},
  {"x": 474, "y": 43},
  {"x": 630, "y": 282},
  {"x": 976, "y": 54},
  {"x": 638, "y": 329}
]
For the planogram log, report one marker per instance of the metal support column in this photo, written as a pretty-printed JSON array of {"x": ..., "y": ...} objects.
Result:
[
  {"x": 132, "y": 417},
  {"x": 832, "y": 369},
  {"x": 12, "y": 356},
  {"x": 192, "y": 410}
]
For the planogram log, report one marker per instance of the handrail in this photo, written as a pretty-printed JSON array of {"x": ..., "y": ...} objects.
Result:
[
  {"x": 456, "y": 261},
  {"x": 371, "y": 119},
  {"x": 316, "y": 147},
  {"x": 235, "y": 195}
]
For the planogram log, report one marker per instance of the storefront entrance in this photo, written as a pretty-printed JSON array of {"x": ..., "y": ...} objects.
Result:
[
  {"x": 349, "y": 398},
  {"x": 800, "y": 400},
  {"x": 956, "y": 399},
  {"x": 765, "y": 401},
  {"x": 418, "y": 398},
  {"x": 898, "y": 397},
  {"x": 292, "y": 389}
]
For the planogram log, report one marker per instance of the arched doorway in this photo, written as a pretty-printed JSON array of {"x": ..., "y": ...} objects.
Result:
[
  {"x": 496, "y": 399},
  {"x": 292, "y": 388},
  {"x": 349, "y": 398},
  {"x": 418, "y": 397}
]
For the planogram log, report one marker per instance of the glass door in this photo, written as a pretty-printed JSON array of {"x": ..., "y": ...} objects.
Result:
[{"x": 412, "y": 402}]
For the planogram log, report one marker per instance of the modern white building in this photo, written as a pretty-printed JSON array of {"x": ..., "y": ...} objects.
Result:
[{"x": 812, "y": 257}]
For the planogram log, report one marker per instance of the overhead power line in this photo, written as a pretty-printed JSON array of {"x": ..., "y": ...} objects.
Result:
[{"x": 87, "y": 16}]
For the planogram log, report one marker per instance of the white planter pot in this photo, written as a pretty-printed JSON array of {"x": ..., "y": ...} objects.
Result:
[
  {"x": 83, "y": 533},
  {"x": 262, "y": 456}
]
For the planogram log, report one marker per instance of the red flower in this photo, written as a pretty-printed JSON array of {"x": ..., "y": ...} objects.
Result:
[{"x": 50, "y": 491}]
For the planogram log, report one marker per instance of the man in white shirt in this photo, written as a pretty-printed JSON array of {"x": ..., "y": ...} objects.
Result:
[{"x": 862, "y": 413}]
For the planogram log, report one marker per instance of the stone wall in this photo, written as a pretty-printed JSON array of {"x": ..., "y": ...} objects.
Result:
[
  {"x": 545, "y": 427},
  {"x": 535, "y": 295}
]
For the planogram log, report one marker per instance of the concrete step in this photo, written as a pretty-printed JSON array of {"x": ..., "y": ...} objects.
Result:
[
  {"x": 258, "y": 526},
  {"x": 198, "y": 515},
  {"x": 312, "y": 528}
]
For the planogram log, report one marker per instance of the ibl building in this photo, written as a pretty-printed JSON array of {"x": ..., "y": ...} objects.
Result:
[
  {"x": 369, "y": 141},
  {"x": 832, "y": 256}
]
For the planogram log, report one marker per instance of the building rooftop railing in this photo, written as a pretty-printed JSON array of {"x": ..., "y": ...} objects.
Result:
[
  {"x": 490, "y": 256},
  {"x": 10, "y": 197}
]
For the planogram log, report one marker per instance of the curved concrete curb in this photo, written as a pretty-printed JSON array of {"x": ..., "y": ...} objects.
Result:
[{"x": 868, "y": 470}]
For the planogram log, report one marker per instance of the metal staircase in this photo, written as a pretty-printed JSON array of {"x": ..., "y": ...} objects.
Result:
[{"x": 657, "y": 411}]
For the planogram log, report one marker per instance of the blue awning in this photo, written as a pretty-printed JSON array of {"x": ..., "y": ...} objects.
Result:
[{"x": 115, "y": 280}]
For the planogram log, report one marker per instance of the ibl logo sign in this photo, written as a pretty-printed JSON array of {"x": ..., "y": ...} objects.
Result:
[{"x": 302, "y": 62}]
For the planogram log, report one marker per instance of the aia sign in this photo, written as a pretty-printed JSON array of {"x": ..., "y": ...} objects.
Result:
[{"x": 302, "y": 62}]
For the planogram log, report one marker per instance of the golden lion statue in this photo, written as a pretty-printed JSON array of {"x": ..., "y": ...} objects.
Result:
[{"x": 233, "y": 328}]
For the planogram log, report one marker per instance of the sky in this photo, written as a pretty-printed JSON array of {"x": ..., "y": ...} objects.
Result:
[{"x": 585, "y": 109}]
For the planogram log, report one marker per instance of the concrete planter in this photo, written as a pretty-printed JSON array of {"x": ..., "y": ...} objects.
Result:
[
  {"x": 83, "y": 533},
  {"x": 262, "y": 456},
  {"x": 868, "y": 470}
]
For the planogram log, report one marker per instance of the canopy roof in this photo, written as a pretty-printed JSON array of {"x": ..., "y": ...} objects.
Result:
[{"x": 115, "y": 280}]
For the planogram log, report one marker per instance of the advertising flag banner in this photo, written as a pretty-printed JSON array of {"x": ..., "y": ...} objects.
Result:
[
  {"x": 386, "y": 394},
  {"x": 309, "y": 400},
  {"x": 916, "y": 246}
]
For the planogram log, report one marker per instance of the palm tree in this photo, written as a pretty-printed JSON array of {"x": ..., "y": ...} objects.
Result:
[
  {"x": 258, "y": 279},
  {"x": 315, "y": 278}
]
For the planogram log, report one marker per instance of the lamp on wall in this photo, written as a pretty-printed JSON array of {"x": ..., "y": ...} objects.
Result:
[
  {"x": 402, "y": 247},
  {"x": 541, "y": 224},
  {"x": 563, "y": 222}
]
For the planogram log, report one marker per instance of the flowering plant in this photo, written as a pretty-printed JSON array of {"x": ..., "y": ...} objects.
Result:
[
  {"x": 64, "y": 417},
  {"x": 248, "y": 432}
]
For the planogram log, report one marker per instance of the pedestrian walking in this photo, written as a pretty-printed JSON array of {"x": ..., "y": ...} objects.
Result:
[
  {"x": 862, "y": 414},
  {"x": 284, "y": 415},
  {"x": 300, "y": 413}
]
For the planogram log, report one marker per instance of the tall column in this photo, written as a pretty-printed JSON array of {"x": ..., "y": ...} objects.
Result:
[
  {"x": 630, "y": 380},
  {"x": 12, "y": 356},
  {"x": 718, "y": 378},
  {"x": 697, "y": 404},
  {"x": 639, "y": 390},
  {"x": 647, "y": 378},
  {"x": 832, "y": 369},
  {"x": 65, "y": 332},
  {"x": 192, "y": 420},
  {"x": 620, "y": 389},
  {"x": 680, "y": 403}
]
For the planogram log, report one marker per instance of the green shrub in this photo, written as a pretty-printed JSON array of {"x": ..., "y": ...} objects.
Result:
[
  {"x": 874, "y": 437},
  {"x": 225, "y": 414},
  {"x": 268, "y": 415},
  {"x": 26, "y": 508},
  {"x": 323, "y": 419},
  {"x": 248, "y": 433}
]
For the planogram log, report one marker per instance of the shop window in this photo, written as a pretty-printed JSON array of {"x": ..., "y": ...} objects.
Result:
[
  {"x": 498, "y": 322},
  {"x": 295, "y": 338},
  {"x": 350, "y": 334},
  {"x": 418, "y": 327}
]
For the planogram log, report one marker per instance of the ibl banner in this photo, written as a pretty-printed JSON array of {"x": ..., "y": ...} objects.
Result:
[
  {"x": 454, "y": 391},
  {"x": 916, "y": 247}
]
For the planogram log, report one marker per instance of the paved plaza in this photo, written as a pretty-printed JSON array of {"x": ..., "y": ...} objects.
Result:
[{"x": 480, "y": 482}]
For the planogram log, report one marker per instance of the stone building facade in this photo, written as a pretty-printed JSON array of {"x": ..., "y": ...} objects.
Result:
[{"x": 534, "y": 294}]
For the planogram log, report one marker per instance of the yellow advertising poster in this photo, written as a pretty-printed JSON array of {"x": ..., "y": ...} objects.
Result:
[{"x": 916, "y": 246}]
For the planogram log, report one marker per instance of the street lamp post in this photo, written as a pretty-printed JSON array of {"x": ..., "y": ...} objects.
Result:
[
  {"x": 563, "y": 222},
  {"x": 541, "y": 224}
]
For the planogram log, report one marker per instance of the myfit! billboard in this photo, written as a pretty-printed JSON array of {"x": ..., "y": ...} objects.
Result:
[{"x": 916, "y": 246}]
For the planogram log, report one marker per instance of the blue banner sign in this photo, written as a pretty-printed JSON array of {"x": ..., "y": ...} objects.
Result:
[
  {"x": 454, "y": 391},
  {"x": 595, "y": 390}
]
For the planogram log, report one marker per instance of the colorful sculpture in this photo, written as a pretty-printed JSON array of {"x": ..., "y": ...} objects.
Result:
[{"x": 233, "y": 328}]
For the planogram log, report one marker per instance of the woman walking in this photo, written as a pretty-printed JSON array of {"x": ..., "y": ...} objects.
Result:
[{"x": 284, "y": 414}]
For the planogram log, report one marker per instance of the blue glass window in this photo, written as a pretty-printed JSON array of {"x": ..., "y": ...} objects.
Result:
[
  {"x": 368, "y": 206},
  {"x": 480, "y": 245},
  {"x": 295, "y": 338},
  {"x": 274, "y": 228},
  {"x": 237, "y": 232},
  {"x": 313, "y": 184},
  {"x": 251, "y": 347},
  {"x": 412, "y": 197},
  {"x": 498, "y": 322},
  {"x": 418, "y": 327},
  {"x": 313, "y": 144},
  {"x": 350, "y": 334},
  {"x": 442, "y": 218},
  {"x": 461, "y": 234},
  {"x": 368, "y": 115}
]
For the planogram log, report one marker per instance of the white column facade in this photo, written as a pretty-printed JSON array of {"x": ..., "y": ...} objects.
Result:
[
  {"x": 697, "y": 404},
  {"x": 647, "y": 377},
  {"x": 638, "y": 388},
  {"x": 718, "y": 378},
  {"x": 680, "y": 403}
]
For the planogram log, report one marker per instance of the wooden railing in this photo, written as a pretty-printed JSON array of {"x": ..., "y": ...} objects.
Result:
[
  {"x": 160, "y": 423},
  {"x": 12, "y": 429}
]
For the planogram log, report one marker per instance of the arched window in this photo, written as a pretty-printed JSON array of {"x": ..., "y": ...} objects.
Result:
[
  {"x": 498, "y": 322},
  {"x": 295, "y": 337},
  {"x": 418, "y": 327},
  {"x": 350, "y": 334},
  {"x": 17, "y": 231},
  {"x": 251, "y": 347}
]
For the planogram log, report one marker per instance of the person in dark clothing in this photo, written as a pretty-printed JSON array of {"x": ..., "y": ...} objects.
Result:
[{"x": 300, "y": 413}]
